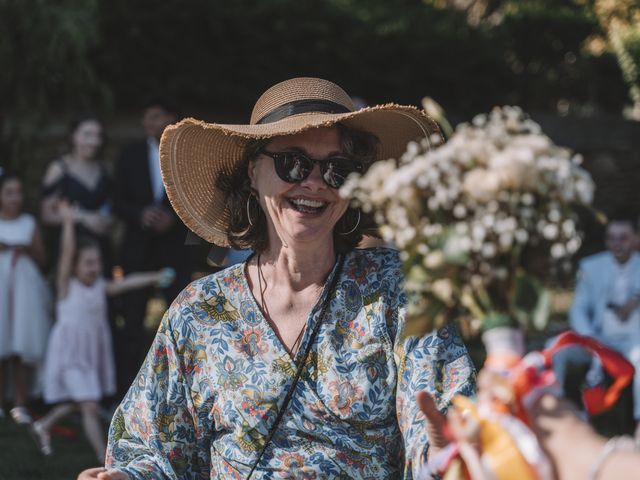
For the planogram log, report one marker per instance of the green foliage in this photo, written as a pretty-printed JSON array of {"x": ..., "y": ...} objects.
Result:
[
  {"x": 626, "y": 44},
  {"x": 217, "y": 56},
  {"x": 214, "y": 56},
  {"x": 45, "y": 57},
  {"x": 542, "y": 44}
]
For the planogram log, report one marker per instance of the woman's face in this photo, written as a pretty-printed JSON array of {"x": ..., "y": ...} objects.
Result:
[
  {"x": 304, "y": 212},
  {"x": 88, "y": 265},
  {"x": 87, "y": 139},
  {"x": 11, "y": 197},
  {"x": 155, "y": 120}
]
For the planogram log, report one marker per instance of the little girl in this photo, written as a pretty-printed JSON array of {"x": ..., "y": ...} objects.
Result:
[
  {"x": 79, "y": 368},
  {"x": 24, "y": 297}
]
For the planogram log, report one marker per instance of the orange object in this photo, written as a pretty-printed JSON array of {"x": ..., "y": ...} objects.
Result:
[
  {"x": 500, "y": 453},
  {"x": 508, "y": 448}
]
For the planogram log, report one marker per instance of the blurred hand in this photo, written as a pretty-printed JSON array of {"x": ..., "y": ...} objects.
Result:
[
  {"x": 625, "y": 310},
  {"x": 165, "y": 277},
  {"x": 156, "y": 218},
  {"x": 436, "y": 422},
  {"x": 96, "y": 222},
  {"x": 67, "y": 212},
  {"x": 102, "y": 474}
]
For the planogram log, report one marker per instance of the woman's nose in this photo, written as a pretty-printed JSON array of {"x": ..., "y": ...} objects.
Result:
[{"x": 314, "y": 180}]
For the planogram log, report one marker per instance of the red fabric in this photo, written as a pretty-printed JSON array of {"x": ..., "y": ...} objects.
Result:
[{"x": 597, "y": 399}]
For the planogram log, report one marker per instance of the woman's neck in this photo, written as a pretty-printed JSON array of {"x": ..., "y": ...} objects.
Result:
[
  {"x": 9, "y": 215},
  {"x": 77, "y": 159},
  {"x": 298, "y": 268}
]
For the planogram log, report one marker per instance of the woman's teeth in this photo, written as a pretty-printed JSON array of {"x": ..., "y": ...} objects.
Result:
[{"x": 307, "y": 206}]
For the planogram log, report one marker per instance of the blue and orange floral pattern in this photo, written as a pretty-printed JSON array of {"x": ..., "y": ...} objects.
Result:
[{"x": 211, "y": 385}]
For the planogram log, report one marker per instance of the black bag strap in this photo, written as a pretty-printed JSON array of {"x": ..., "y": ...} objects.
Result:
[{"x": 301, "y": 365}]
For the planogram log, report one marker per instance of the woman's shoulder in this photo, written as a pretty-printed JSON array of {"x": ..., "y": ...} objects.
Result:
[
  {"x": 201, "y": 294},
  {"x": 374, "y": 271},
  {"x": 56, "y": 170},
  {"x": 379, "y": 260}
]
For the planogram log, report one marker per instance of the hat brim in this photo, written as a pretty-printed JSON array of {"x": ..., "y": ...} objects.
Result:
[{"x": 193, "y": 154}]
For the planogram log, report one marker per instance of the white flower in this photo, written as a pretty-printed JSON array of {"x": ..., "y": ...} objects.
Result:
[
  {"x": 482, "y": 185},
  {"x": 488, "y": 220},
  {"x": 488, "y": 250},
  {"x": 434, "y": 260},
  {"x": 527, "y": 198},
  {"x": 423, "y": 248},
  {"x": 501, "y": 273},
  {"x": 456, "y": 246},
  {"x": 558, "y": 250},
  {"x": 522, "y": 236},
  {"x": 479, "y": 120},
  {"x": 459, "y": 211},
  {"x": 554, "y": 215},
  {"x": 462, "y": 228},
  {"x": 478, "y": 232},
  {"x": 468, "y": 207},
  {"x": 443, "y": 289},
  {"x": 550, "y": 231},
  {"x": 433, "y": 203},
  {"x": 568, "y": 227},
  {"x": 573, "y": 245},
  {"x": 506, "y": 241}
]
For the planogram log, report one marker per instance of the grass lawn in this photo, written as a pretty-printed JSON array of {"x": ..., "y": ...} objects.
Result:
[{"x": 21, "y": 460}]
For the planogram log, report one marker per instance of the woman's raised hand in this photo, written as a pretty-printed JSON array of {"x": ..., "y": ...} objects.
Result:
[{"x": 102, "y": 474}]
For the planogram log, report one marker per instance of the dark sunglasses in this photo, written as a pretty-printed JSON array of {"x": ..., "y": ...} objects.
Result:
[{"x": 294, "y": 167}]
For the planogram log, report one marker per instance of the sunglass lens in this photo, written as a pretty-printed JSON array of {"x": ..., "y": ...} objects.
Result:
[
  {"x": 335, "y": 172},
  {"x": 292, "y": 167}
]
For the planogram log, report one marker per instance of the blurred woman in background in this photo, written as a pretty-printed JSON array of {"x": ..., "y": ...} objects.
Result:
[{"x": 80, "y": 178}]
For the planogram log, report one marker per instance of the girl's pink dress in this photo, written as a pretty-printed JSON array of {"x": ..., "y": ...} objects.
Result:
[{"x": 79, "y": 364}]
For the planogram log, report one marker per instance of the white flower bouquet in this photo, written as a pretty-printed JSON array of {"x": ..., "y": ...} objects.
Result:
[{"x": 483, "y": 221}]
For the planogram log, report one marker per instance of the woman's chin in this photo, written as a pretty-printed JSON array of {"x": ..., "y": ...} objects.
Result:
[{"x": 305, "y": 234}]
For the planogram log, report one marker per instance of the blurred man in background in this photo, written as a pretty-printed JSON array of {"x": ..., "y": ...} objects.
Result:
[
  {"x": 606, "y": 304},
  {"x": 154, "y": 236}
]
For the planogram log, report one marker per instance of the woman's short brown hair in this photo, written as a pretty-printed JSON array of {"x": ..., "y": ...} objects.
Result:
[{"x": 251, "y": 233}]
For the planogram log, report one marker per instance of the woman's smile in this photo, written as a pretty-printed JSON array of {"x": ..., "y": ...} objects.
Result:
[
  {"x": 303, "y": 211},
  {"x": 307, "y": 206}
]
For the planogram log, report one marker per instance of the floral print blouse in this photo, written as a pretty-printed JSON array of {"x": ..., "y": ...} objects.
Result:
[{"x": 216, "y": 375}]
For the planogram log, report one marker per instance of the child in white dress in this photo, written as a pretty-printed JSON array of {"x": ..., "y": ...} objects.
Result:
[
  {"x": 24, "y": 296},
  {"x": 79, "y": 367}
]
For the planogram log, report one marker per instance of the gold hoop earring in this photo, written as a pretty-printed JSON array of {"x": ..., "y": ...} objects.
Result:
[
  {"x": 248, "y": 212},
  {"x": 354, "y": 227}
]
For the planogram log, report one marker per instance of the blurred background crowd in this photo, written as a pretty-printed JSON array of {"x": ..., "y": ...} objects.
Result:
[{"x": 89, "y": 86}]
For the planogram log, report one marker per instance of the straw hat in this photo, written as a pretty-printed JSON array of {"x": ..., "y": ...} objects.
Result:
[{"x": 193, "y": 154}]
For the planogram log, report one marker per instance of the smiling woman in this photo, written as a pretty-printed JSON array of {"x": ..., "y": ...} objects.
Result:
[
  {"x": 295, "y": 363},
  {"x": 355, "y": 150}
]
